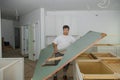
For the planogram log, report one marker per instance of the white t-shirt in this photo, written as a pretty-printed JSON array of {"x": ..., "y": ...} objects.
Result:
[{"x": 63, "y": 42}]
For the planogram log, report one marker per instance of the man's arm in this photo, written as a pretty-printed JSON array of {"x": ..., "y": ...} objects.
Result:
[{"x": 55, "y": 48}]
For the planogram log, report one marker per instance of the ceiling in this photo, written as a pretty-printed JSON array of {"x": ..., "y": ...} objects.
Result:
[{"x": 11, "y": 8}]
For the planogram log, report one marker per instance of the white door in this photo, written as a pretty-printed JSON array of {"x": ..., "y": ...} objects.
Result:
[
  {"x": 37, "y": 44},
  {"x": 34, "y": 41},
  {"x": 31, "y": 41},
  {"x": 24, "y": 39}
]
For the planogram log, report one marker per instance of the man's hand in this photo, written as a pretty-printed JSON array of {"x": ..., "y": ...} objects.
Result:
[{"x": 55, "y": 51}]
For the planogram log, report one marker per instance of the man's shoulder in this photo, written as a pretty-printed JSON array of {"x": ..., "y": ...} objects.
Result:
[
  {"x": 60, "y": 36},
  {"x": 71, "y": 36}
]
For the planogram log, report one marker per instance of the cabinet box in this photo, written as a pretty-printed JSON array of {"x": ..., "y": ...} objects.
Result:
[
  {"x": 93, "y": 70},
  {"x": 102, "y": 55},
  {"x": 11, "y": 69}
]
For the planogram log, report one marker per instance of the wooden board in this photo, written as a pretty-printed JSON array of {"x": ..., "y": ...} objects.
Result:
[
  {"x": 72, "y": 52},
  {"x": 113, "y": 64},
  {"x": 100, "y": 55},
  {"x": 84, "y": 56},
  {"x": 107, "y": 44}
]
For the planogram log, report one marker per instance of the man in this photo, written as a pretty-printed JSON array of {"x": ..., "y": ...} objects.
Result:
[{"x": 60, "y": 44}]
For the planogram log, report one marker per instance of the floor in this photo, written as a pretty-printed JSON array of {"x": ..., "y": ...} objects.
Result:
[{"x": 29, "y": 65}]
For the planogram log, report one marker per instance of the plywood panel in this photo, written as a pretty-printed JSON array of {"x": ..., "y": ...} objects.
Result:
[
  {"x": 113, "y": 64},
  {"x": 72, "y": 52},
  {"x": 84, "y": 56},
  {"x": 100, "y": 55}
]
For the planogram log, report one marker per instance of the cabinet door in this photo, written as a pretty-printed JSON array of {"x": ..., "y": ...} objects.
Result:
[
  {"x": 59, "y": 24},
  {"x": 54, "y": 24},
  {"x": 31, "y": 42},
  {"x": 71, "y": 21},
  {"x": 74, "y": 25},
  {"x": 50, "y": 23}
]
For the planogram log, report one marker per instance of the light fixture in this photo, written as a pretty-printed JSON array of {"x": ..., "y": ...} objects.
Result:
[{"x": 103, "y": 3}]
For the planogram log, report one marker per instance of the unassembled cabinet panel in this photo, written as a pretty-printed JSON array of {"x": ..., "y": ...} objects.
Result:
[{"x": 72, "y": 52}]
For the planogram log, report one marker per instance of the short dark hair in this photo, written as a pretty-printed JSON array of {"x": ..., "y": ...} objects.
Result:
[{"x": 66, "y": 26}]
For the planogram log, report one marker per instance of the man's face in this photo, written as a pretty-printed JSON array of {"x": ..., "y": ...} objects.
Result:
[{"x": 65, "y": 31}]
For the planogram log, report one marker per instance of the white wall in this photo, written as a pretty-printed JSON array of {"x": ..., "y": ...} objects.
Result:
[
  {"x": 7, "y": 28},
  {"x": 30, "y": 18},
  {"x": 0, "y": 36},
  {"x": 82, "y": 21}
]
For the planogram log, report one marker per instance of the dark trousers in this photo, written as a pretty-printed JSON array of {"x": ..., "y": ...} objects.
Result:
[{"x": 58, "y": 54}]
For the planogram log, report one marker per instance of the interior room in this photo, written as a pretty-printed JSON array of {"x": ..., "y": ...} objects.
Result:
[{"x": 30, "y": 29}]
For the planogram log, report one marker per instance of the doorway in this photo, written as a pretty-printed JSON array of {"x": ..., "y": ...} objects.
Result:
[{"x": 17, "y": 38}]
